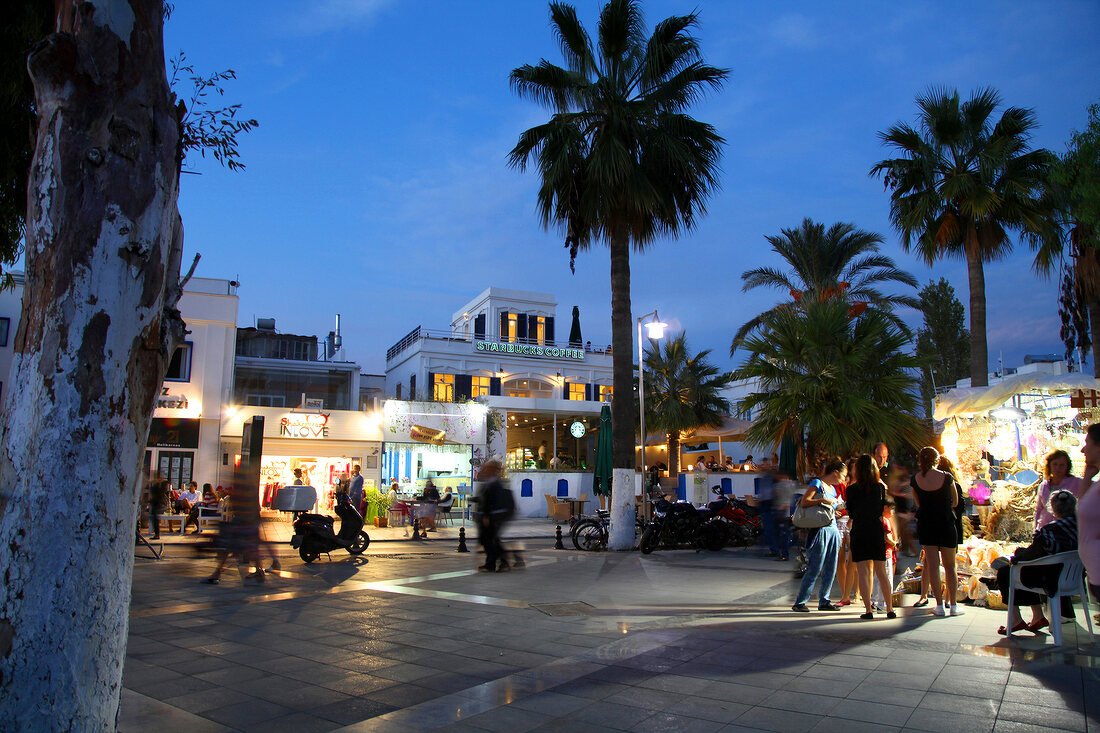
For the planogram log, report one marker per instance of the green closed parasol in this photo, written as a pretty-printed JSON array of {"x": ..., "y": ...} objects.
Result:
[{"x": 601, "y": 473}]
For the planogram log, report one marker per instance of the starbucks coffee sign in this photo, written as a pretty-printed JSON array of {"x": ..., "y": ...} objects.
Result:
[{"x": 551, "y": 352}]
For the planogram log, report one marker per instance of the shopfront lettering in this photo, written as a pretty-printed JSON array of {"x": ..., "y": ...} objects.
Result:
[
  {"x": 304, "y": 426},
  {"x": 552, "y": 352},
  {"x": 171, "y": 401}
]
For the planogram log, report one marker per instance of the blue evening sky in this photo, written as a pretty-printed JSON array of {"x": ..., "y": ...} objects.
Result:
[{"x": 377, "y": 184}]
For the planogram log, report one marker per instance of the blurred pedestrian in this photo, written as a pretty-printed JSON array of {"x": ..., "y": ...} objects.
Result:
[{"x": 496, "y": 505}]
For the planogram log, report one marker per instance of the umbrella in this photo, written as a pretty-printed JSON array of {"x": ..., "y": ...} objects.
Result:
[
  {"x": 575, "y": 329},
  {"x": 601, "y": 473},
  {"x": 788, "y": 457}
]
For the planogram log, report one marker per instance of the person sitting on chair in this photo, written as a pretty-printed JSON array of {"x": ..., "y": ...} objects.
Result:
[
  {"x": 1058, "y": 536},
  {"x": 427, "y": 519}
]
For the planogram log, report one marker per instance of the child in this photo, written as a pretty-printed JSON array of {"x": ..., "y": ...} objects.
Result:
[{"x": 877, "y": 597}]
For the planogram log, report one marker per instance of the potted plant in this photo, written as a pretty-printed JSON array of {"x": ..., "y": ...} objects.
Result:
[{"x": 377, "y": 505}]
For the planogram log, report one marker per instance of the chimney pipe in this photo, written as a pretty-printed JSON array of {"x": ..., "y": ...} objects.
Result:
[{"x": 338, "y": 341}]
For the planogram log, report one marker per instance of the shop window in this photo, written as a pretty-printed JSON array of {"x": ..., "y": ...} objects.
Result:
[
  {"x": 513, "y": 328},
  {"x": 529, "y": 388},
  {"x": 412, "y": 387},
  {"x": 606, "y": 392},
  {"x": 179, "y": 370},
  {"x": 5, "y": 325},
  {"x": 265, "y": 400},
  {"x": 576, "y": 391},
  {"x": 443, "y": 388},
  {"x": 540, "y": 330},
  {"x": 479, "y": 387}
]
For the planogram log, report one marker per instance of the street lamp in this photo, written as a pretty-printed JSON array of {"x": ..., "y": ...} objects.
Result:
[{"x": 656, "y": 331}]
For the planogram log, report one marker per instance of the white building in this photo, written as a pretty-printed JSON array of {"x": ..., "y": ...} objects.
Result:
[
  {"x": 508, "y": 350},
  {"x": 11, "y": 305}
]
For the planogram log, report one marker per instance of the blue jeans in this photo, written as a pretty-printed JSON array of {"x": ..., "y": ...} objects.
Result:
[
  {"x": 822, "y": 554},
  {"x": 777, "y": 536}
]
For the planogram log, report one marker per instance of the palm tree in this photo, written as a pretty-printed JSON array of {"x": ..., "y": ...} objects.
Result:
[
  {"x": 620, "y": 163},
  {"x": 962, "y": 184},
  {"x": 818, "y": 260},
  {"x": 835, "y": 377},
  {"x": 682, "y": 392}
]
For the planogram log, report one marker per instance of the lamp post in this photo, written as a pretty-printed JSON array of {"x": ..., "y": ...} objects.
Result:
[{"x": 656, "y": 331}]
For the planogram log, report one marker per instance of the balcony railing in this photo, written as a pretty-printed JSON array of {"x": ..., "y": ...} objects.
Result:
[{"x": 420, "y": 333}]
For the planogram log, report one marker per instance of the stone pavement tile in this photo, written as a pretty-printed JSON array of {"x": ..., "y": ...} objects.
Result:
[
  {"x": 956, "y": 703},
  {"x": 242, "y": 714},
  {"x": 1039, "y": 715},
  {"x": 908, "y": 681},
  {"x": 448, "y": 682},
  {"x": 835, "y": 687},
  {"x": 401, "y": 696},
  {"x": 777, "y": 720},
  {"x": 1012, "y": 726},
  {"x": 642, "y": 697},
  {"x": 405, "y": 672},
  {"x": 943, "y": 722},
  {"x": 352, "y": 710},
  {"x": 746, "y": 694},
  {"x": 207, "y": 700},
  {"x": 909, "y": 666},
  {"x": 969, "y": 689},
  {"x": 853, "y": 661},
  {"x": 147, "y": 674},
  {"x": 293, "y": 723},
  {"x": 1064, "y": 698},
  {"x": 674, "y": 683},
  {"x": 650, "y": 663},
  {"x": 720, "y": 711},
  {"x": 801, "y": 702},
  {"x": 552, "y": 703},
  {"x": 622, "y": 675},
  {"x": 234, "y": 674},
  {"x": 357, "y": 684},
  {"x": 871, "y": 691},
  {"x": 507, "y": 719},
  {"x": 986, "y": 661},
  {"x": 589, "y": 688},
  {"x": 365, "y": 662},
  {"x": 842, "y": 725},
  {"x": 967, "y": 675},
  {"x": 829, "y": 672},
  {"x": 872, "y": 712},
  {"x": 601, "y": 712},
  {"x": 172, "y": 688},
  {"x": 1046, "y": 675},
  {"x": 566, "y": 725},
  {"x": 139, "y": 713},
  {"x": 202, "y": 663},
  {"x": 662, "y": 722}
]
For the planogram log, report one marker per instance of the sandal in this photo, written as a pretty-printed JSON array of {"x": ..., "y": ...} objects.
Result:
[
  {"x": 867, "y": 616},
  {"x": 1036, "y": 626},
  {"x": 1020, "y": 626},
  {"x": 921, "y": 603}
]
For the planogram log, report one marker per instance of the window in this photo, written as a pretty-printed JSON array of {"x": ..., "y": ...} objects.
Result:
[
  {"x": 606, "y": 392},
  {"x": 540, "y": 330},
  {"x": 179, "y": 370},
  {"x": 513, "y": 320},
  {"x": 576, "y": 391},
  {"x": 399, "y": 390},
  {"x": 265, "y": 400},
  {"x": 5, "y": 324},
  {"x": 479, "y": 387},
  {"x": 443, "y": 388}
]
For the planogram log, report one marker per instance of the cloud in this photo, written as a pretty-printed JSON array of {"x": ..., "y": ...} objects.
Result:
[
  {"x": 795, "y": 31},
  {"x": 325, "y": 16}
]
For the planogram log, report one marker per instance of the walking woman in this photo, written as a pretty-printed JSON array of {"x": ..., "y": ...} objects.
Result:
[
  {"x": 821, "y": 543},
  {"x": 866, "y": 498},
  {"x": 935, "y": 497}
]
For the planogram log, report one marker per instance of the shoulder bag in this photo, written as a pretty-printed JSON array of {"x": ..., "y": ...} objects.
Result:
[{"x": 812, "y": 517}]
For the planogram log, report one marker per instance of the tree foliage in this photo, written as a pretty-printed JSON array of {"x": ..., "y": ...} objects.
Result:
[
  {"x": 682, "y": 392},
  {"x": 943, "y": 342},
  {"x": 834, "y": 381},
  {"x": 207, "y": 127},
  {"x": 962, "y": 184},
  {"x": 819, "y": 261}
]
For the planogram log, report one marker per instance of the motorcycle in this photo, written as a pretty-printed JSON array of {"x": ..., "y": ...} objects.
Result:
[
  {"x": 733, "y": 520},
  {"x": 314, "y": 535},
  {"x": 675, "y": 524}
]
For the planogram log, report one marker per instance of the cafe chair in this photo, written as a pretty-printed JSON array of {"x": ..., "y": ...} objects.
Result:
[
  {"x": 443, "y": 510},
  {"x": 1071, "y": 582}
]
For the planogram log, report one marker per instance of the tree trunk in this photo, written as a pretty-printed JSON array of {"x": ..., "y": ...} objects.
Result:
[
  {"x": 674, "y": 453},
  {"x": 1094, "y": 333},
  {"x": 98, "y": 323},
  {"x": 623, "y": 403},
  {"x": 979, "y": 350}
]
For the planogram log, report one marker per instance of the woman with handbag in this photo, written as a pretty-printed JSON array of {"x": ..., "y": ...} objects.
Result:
[
  {"x": 935, "y": 497},
  {"x": 816, "y": 512}
]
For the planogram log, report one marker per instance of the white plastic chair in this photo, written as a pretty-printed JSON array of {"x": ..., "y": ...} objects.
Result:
[{"x": 1071, "y": 582}]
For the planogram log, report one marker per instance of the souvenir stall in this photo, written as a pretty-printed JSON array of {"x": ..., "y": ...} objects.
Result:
[{"x": 998, "y": 437}]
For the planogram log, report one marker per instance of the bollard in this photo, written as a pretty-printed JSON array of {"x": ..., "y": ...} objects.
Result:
[
  {"x": 416, "y": 529},
  {"x": 462, "y": 540},
  {"x": 557, "y": 539}
]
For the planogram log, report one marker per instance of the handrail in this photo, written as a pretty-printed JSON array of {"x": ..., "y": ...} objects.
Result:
[{"x": 420, "y": 333}]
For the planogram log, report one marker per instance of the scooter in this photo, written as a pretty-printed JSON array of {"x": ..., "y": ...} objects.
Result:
[
  {"x": 737, "y": 526},
  {"x": 314, "y": 536}
]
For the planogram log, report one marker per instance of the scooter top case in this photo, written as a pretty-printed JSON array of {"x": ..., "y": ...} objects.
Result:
[{"x": 295, "y": 499}]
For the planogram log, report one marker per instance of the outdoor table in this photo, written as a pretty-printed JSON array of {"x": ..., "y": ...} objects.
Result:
[{"x": 576, "y": 506}]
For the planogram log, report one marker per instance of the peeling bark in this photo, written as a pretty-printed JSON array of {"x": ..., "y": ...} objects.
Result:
[{"x": 104, "y": 244}]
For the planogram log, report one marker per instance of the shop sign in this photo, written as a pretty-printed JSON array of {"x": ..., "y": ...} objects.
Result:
[
  {"x": 171, "y": 401},
  {"x": 310, "y": 426},
  {"x": 577, "y": 429},
  {"x": 552, "y": 352},
  {"x": 173, "y": 432}
]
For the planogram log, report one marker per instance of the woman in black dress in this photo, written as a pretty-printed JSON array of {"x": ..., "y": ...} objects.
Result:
[
  {"x": 935, "y": 497},
  {"x": 867, "y": 545}
]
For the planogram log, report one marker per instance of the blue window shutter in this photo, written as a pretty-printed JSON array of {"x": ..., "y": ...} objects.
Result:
[
  {"x": 565, "y": 390},
  {"x": 527, "y": 487},
  {"x": 588, "y": 390},
  {"x": 563, "y": 487},
  {"x": 549, "y": 329},
  {"x": 479, "y": 327},
  {"x": 504, "y": 325},
  {"x": 521, "y": 328},
  {"x": 494, "y": 386},
  {"x": 463, "y": 386}
]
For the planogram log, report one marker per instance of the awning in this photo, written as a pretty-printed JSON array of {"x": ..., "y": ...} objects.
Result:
[
  {"x": 967, "y": 401},
  {"x": 730, "y": 429}
]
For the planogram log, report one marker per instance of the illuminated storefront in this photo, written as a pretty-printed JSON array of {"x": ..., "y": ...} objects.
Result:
[
  {"x": 439, "y": 441},
  {"x": 324, "y": 444}
]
